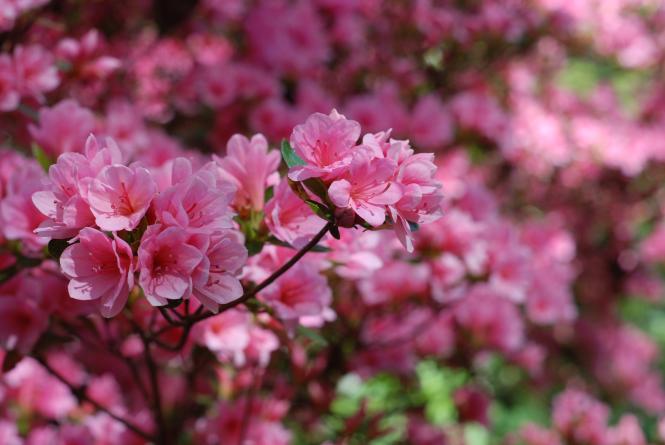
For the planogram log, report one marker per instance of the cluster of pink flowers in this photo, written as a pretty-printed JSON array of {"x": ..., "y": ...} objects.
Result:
[
  {"x": 578, "y": 417},
  {"x": 167, "y": 277},
  {"x": 379, "y": 177},
  {"x": 179, "y": 238}
]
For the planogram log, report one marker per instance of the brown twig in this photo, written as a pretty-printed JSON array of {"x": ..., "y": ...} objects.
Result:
[
  {"x": 191, "y": 321},
  {"x": 80, "y": 394}
]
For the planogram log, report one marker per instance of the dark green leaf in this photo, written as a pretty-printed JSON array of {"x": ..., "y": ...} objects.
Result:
[
  {"x": 316, "y": 186},
  {"x": 289, "y": 155},
  {"x": 253, "y": 246},
  {"x": 270, "y": 192},
  {"x": 334, "y": 231},
  {"x": 56, "y": 247}
]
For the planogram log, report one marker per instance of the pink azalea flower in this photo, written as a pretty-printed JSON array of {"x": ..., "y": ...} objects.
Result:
[
  {"x": 290, "y": 219},
  {"x": 325, "y": 143},
  {"x": 166, "y": 264},
  {"x": 65, "y": 202},
  {"x": 431, "y": 124},
  {"x": 196, "y": 202},
  {"x": 99, "y": 268},
  {"x": 227, "y": 334},
  {"x": 119, "y": 196},
  {"x": 367, "y": 188},
  {"x": 35, "y": 70},
  {"x": 38, "y": 392},
  {"x": 251, "y": 167},
  {"x": 22, "y": 322},
  {"x": 63, "y": 127},
  {"x": 19, "y": 217},
  {"x": 225, "y": 255},
  {"x": 301, "y": 291},
  {"x": 490, "y": 320}
]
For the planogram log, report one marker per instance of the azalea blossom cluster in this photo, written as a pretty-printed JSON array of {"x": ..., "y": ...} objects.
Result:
[
  {"x": 186, "y": 246},
  {"x": 332, "y": 222}
]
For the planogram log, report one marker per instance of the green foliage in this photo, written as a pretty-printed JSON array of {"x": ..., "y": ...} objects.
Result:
[
  {"x": 383, "y": 402},
  {"x": 291, "y": 159},
  {"x": 582, "y": 75},
  {"x": 42, "y": 158},
  {"x": 437, "y": 385}
]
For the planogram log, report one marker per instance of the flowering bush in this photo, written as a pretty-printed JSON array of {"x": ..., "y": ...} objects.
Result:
[{"x": 332, "y": 222}]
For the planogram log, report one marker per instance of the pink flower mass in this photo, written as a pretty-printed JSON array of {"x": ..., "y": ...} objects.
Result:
[{"x": 336, "y": 222}]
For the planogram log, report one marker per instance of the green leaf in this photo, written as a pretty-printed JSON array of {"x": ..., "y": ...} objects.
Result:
[
  {"x": 42, "y": 159},
  {"x": 476, "y": 434},
  {"x": 270, "y": 192},
  {"x": 254, "y": 246},
  {"x": 312, "y": 335},
  {"x": 289, "y": 155},
  {"x": 316, "y": 186},
  {"x": 56, "y": 247},
  {"x": 318, "y": 208}
]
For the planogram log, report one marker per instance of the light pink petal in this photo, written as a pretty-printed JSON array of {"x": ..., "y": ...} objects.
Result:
[
  {"x": 339, "y": 193},
  {"x": 374, "y": 215}
]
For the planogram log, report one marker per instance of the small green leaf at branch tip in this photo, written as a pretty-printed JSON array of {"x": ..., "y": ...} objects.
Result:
[
  {"x": 42, "y": 158},
  {"x": 289, "y": 155}
]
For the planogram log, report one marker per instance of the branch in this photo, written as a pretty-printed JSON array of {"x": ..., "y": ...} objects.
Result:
[
  {"x": 189, "y": 322},
  {"x": 80, "y": 394}
]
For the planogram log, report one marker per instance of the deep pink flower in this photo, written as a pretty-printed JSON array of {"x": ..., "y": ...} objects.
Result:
[
  {"x": 325, "y": 143},
  {"x": 22, "y": 322},
  {"x": 99, "y": 268},
  {"x": 367, "y": 188},
  {"x": 166, "y": 264},
  {"x": 251, "y": 167},
  {"x": 119, "y": 196}
]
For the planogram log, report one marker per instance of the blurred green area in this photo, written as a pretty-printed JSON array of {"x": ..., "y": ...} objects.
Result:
[{"x": 583, "y": 75}]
